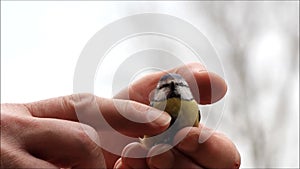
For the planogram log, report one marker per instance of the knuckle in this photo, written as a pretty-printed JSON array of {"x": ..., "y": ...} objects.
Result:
[
  {"x": 14, "y": 126},
  {"x": 87, "y": 138},
  {"x": 14, "y": 121},
  {"x": 82, "y": 96},
  {"x": 66, "y": 104},
  {"x": 81, "y": 100}
]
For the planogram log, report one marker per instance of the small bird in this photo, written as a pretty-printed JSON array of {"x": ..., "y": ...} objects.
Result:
[{"x": 173, "y": 95}]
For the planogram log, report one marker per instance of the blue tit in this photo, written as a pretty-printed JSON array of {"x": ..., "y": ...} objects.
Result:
[{"x": 173, "y": 95}]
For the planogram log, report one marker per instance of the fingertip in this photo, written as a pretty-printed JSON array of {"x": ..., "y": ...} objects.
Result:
[
  {"x": 159, "y": 119},
  {"x": 134, "y": 150},
  {"x": 133, "y": 155},
  {"x": 212, "y": 87}
]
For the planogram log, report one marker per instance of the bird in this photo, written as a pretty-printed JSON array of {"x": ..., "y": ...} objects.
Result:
[{"x": 173, "y": 95}]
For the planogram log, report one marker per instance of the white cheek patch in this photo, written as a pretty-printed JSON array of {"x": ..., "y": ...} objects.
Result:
[
  {"x": 161, "y": 94},
  {"x": 185, "y": 92}
]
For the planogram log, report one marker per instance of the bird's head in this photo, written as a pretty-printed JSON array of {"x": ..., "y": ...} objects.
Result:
[{"x": 172, "y": 86}]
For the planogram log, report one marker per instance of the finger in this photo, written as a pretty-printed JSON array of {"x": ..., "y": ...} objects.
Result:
[
  {"x": 183, "y": 162},
  {"x": 64, "y": 143},
  {"x": 137, "y": 150},
  {"x": 209, "y": 87},
  {"x": 110, "y": 158},
  {"x": 161, "y": 156},
  {"x": 169, "y": 158},
  {"x": 120, "y": 165},
  {"x": 133, "y": 155},
  {"x": 29, "y": 161},
  {"x": 21, "y": 159},
  {"x": 123, "y": 115},
  {"x": 216, "y": 152}
]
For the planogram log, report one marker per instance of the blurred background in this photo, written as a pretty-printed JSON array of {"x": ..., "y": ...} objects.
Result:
[{"x": 257, "y": 42}]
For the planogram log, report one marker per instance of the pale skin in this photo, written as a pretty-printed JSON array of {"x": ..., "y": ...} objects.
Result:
[{"x": 47, "y": 134}]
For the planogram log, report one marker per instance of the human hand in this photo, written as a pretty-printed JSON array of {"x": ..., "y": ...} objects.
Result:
[
  {"x": 47, "y": 134},
  {"x": 216, "y": 152}
]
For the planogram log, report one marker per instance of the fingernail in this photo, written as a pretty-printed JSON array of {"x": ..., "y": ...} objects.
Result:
[
  {"x": 159, "y": 117},
  {"x": 118, "y": 164},
  {"x": 134, "y": 150}
]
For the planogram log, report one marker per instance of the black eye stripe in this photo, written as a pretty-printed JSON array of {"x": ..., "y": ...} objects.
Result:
[
  {"x": 181, "y": 84},
  {"x": 164, "y": 85},
  {"x": 176, "y": 84}
]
